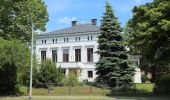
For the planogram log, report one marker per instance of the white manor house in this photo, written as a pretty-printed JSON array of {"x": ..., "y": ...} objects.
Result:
[{"x": 74, "y": 50}]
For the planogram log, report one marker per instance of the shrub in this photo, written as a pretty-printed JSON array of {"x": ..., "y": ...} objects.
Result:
[
  {"x": 144, "y": 78},
  {"x": 70, "y": 80},
  {"x": 8, "y": 81},
  {"x": 162, "y": 85},
  {"x": 48, "y": 73},
  {"x": 81, "y": 84}
]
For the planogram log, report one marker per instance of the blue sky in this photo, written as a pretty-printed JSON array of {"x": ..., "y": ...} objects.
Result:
[{"x": 62, "y": 12}]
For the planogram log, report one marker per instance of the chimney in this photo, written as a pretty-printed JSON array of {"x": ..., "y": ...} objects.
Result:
[
  {"x": 74, "y": 23},
  {"x": 94, "y": 21}
]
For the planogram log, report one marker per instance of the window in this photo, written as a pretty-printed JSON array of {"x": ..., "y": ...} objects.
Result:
[
  {"x": 76, "y": 38},
  {"x": 56, "y": 40},
  {"x": 77, "y": 55},
  {"x": 42, "y": 41},
  {"x": 65, "y": 55},
  {"x": 79, "y": 38},
  {"x": 89, "y": 54},
  {"x": 43, "y": 56},
  {"x": 54, "y": 56},
  {"x": 64, "y": 39},
  {"x": 67, "y": 39},
  {"x": 53, "y": 40},
  {"x": 45, "y": 41},
  {"x": 90, "y": 74},
  {"x": 91, "y": 37},
  {"x": 88, "y": 38},
  {"x": 64, "y": 71}
]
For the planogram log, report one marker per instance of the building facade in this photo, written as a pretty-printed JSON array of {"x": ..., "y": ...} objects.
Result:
[{"x": 73, "y": 49}]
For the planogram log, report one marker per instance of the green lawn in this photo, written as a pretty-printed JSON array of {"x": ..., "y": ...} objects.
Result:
[
  {"x": 116, "y": 98},
  {"x": 52, "y": 99},
  {"x": 147, "y": 88},
  {"x": 87, "y": 91},
  {"x": 83, "y": 90},
  {"x": 67, "y": 99}
]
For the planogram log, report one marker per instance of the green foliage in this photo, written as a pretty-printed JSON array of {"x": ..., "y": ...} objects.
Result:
[
  {"x": 70, "y": 80},
  {"x": 48, "y": 73},
  {"x": 8, "y": 81},
  {"x": 162, "y": 85},
  {"x": 144, "y": 78},
  {"x": 15, "y": 18},
  {"x": 150, "y": 28},
  {"x": 15, "y": 52},
  {"x": 113, "y": 66}
]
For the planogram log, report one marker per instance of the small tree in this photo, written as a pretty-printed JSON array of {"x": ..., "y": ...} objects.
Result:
[
  {"x": 70, "y": 80},
  {"x": 48, "y": 73}
]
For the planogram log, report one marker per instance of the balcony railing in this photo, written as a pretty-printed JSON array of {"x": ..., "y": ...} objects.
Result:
[{"x": 70, "y": 64}]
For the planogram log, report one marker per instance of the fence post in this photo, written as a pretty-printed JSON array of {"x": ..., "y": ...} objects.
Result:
[{"x": 69, "y": 89}]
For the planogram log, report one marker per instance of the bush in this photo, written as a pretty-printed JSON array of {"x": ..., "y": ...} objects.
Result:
[
  {"x": 8, "y": 81},
  {"x": 144, "y": 78},
  {"x": 70, "y": 80},
  {"x": 81, "y": 84},
  {"x": 48, "y": 73},
  {"x": 162, "y": 85}
]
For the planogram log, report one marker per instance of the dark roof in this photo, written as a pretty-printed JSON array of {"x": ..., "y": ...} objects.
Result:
[{"x": 82, "y": 28}]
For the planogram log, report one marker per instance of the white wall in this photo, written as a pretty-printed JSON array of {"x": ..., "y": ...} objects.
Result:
[{"x": 83, "y": 44}]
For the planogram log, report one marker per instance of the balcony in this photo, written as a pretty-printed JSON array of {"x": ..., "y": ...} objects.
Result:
[{"x": 70, "y": 65}]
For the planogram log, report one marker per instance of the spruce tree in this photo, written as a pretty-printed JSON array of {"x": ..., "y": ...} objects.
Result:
[{"x": 113, "y": 65}]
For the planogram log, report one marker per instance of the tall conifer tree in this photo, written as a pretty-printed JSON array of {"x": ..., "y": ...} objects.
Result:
[{"x": 113, "y": 65}]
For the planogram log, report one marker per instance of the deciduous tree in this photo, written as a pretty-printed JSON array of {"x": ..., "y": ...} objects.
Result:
[
  {"x": 16, "y": 17},
  {"x": 150, "y": 34}
]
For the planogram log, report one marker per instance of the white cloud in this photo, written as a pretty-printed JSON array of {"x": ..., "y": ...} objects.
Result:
[{"x": 66, "y": 20}]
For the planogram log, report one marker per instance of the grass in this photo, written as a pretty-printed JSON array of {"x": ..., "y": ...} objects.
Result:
[
  {"x": 88, "y": 98},
  {"x": 145, "y": 87},
  {"x": 52, "y": 99},
  {"x": 83, "y": 90},
  {"x": 66, "y": 99},
  {"x": 87, "y": 91}
]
